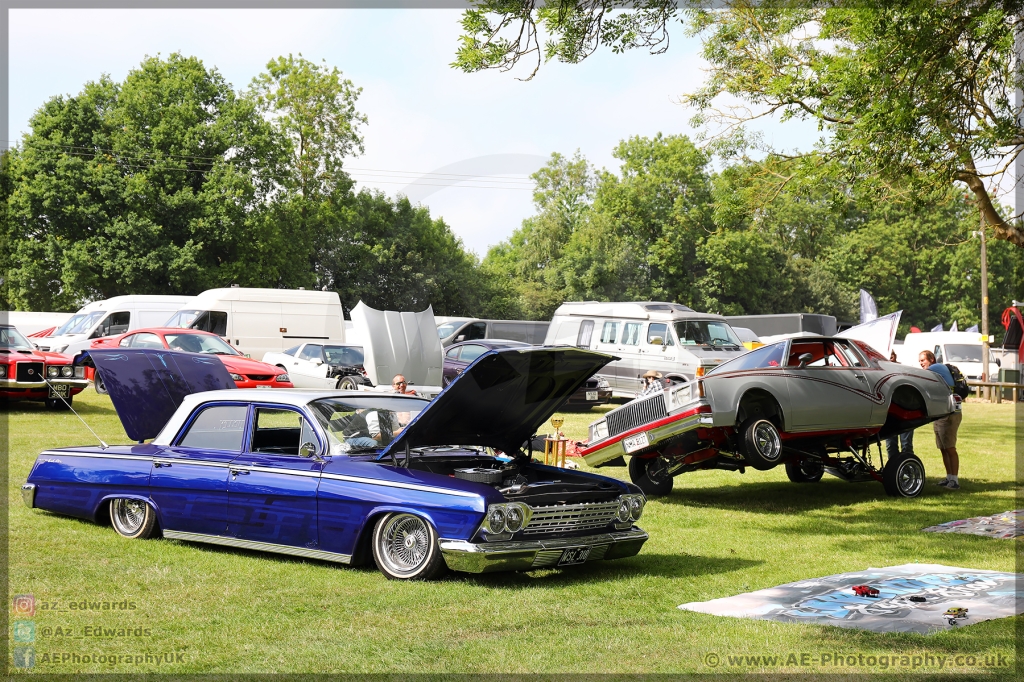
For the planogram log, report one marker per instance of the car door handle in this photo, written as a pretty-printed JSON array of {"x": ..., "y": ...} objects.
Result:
[
  {"x": 157, "y": 465},
  {"x": 860, "y": 376},
  {"x": 239, "y": 472}
]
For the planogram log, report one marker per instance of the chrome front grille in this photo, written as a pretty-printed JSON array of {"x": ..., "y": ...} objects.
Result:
[
  {"x": 637, "y": 413},
  {"x": 259, "y": 377},
  {"x": 566, "y": 518}
]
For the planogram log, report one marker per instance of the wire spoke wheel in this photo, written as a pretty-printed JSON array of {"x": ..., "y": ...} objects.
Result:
[
  {"x": 767, "y": 441},
  {"x": 405, "y": 547},
  {"x": 132, "y": 518},
  {"x": 910, "y": 477}
]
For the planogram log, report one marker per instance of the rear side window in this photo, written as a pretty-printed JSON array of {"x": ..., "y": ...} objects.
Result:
[
  {"x": 453, "y": 353},
  {"x": 220, "y": 427},
  {"x": 766, "y": 357},
  {"x": 585, "y": 334},
  {"x": 609, "y": 332},
  {"x": 312, "y": 352},
  {"x": 291, "y": 351},
  {"x": 631, "y": 334},
  {"x": 146, "y": 341}
]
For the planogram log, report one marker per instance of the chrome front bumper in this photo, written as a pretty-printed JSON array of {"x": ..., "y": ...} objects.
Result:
[
  {"x": 12, "y": 383},
  {"x": 523, "y": 555},
  {"x": 28, "y": 495}
]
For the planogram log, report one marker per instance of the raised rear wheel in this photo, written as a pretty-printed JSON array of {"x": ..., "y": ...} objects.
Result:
[
  {"x": 762, "y": 444},
  {"x": 903, "y": 475},
  {"x": 405, "y": 547},
  {"x": 650, "y": 474}
]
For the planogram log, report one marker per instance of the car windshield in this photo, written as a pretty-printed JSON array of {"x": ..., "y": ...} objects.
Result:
[
  {"x": 80, "y": 324},
  {"x": 12, "y": 338},
  {"x": 709, "y": 333},
  {"x": 344, "y": 355},
  {"x": 963, "y": 352},
  {"x": 183, "y": 318},
  {"x": 364, "y": 424},
  {"x": 199, "y": 343},
  {"x": 447, "y": 329}
]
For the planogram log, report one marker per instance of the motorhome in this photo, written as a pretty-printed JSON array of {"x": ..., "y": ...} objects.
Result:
[
  {"x": 962, "y": 349},
  {"x": 665, "y": 337},
  {"x": 258, "y": 321},
  {"x": 110, "y": 317},
  {"x": 455, "y": 329},
  {"x": 785, "y": 323}
]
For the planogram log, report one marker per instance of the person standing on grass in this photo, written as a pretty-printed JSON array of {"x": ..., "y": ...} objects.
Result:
[
  {"x": 945, "y": 428},
  {"x": 903, "y": 442}
]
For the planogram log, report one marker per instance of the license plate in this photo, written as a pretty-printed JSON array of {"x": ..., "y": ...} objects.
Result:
[
  {"x": 60, "y": 390},
  {"x": 591, "y": 395},
  {"x": 574, "y": 555},
  {"x": 263, "y": 386},
  {"x": 636, "y": 442}
]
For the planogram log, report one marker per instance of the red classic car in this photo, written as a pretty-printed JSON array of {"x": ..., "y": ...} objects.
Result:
[
  {"x": 30, "y": 374},
  {"x": 245, "y": 372}
]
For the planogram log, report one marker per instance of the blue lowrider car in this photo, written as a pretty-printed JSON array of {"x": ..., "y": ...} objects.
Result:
[{"x": 346, "y": 476}]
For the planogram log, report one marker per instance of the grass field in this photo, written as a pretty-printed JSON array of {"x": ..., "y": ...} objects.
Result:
[{"x": 212, "y": 609}]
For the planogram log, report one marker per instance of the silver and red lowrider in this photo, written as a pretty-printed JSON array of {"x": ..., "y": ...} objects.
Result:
[{"x": 815, "y": 404}]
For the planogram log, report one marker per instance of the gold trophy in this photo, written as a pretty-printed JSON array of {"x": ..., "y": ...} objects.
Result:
[{"x": 557, "y": 423}]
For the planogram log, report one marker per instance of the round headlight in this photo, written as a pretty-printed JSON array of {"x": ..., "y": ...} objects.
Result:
[
  {"x": 514, "y": 518},
  {"x": 623, "y": 514},
  {"x": 636, "y": 507},
  {"x": 53, "y": 371},
  {"x": 67, "y": 370},
  {"x": 495, "y": 521},
  {"x": 236, "y": 377},
  {"x": 3, "y": 370}
]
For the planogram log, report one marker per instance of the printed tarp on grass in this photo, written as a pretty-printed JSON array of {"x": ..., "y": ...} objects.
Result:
[
  {"x": 1005, "y": 526},
  {"x": 911, "y": 598}
]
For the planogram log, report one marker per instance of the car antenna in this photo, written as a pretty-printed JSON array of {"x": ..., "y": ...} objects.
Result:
[{"x": 57, "y": 393}]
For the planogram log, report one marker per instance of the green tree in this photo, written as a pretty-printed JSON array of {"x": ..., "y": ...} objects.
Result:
[
  {"x": 148, "y": 186},
  {"x": 898, "y": 89},
  {"x": 313, "y": 108}
]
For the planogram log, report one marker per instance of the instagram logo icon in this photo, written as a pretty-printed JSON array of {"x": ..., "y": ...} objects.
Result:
[{"x": 24, "y": 605}]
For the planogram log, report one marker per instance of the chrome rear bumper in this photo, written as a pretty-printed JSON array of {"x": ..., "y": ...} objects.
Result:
[
  {"x": 486, "y": 557},
  {"x": 28, "y": 494}
]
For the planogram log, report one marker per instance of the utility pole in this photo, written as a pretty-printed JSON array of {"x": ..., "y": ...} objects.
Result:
[{"x": 984, "y": 301}]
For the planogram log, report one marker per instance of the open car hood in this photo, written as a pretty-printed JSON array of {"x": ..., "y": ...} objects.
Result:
[
  {"x": 399, "y": 343},
  {"x": 501, "y": 399},
  {"x": 147, "y": 385}
]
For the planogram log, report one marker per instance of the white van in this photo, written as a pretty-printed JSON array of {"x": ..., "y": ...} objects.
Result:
[
  {"x": 665, "y": 337},
  {"x": 258, "y": 321},
  {"x": 962, "y": 349},
  {"x": 110, "y": 317},
  {"x": 455, "y": 329}
]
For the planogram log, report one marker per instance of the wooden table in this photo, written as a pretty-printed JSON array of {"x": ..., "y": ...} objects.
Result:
[{"x": 554, "y": 448}]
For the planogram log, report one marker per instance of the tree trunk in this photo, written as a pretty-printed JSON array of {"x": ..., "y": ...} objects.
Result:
[{"x": 1003, "y": 229}]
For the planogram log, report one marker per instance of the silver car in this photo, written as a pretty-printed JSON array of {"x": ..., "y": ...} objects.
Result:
[{"x": 815, "y": 404}]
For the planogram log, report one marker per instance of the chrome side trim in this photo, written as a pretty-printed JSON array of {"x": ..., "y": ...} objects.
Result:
[
  {"x": 271, "y": 470},
  {"x": 196, "y": 462},
  {"x": 396, "y": 484},
  {"x": 461, "y": 555},
  {"x": 28, "y": 494},
  {"x": 239, "y": 543},
  {"x": 98, "y": 455}
]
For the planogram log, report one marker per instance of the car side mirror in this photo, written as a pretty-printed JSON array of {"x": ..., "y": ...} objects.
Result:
[
  {"x": 804, "y": 358},
  {"x": 460, "y": 337},
  {"x": 308, "y": 450}
]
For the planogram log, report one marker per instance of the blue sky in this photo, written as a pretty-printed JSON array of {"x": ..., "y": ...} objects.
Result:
[{"x": 423, "y": 115}]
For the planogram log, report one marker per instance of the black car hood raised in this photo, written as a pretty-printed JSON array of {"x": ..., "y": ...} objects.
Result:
[
  {"x": 147, "y": 385},
  {"x": 501, "y": 399}
]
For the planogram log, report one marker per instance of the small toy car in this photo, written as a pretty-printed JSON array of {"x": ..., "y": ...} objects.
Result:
[
  {"x": 865, "y": 591},
  {"x": 954, "y": 614}
]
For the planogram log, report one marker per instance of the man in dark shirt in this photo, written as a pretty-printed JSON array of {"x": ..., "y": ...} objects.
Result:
[{"x": 945, "y": 428}]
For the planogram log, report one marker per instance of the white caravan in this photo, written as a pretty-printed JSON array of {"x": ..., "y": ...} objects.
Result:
[
  {"x": 665, "y": 337},
  {"x": 259, "y": 321},
  {"x": 31, "y": 323},
  {"x": 110, "y": 317},
  {"x": 962, "y": 349}
]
